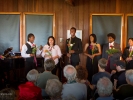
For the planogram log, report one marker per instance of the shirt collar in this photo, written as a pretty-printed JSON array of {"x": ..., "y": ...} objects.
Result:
[
  {"x": 30, "y": 43},
  {"x": 112, "y": 43}
]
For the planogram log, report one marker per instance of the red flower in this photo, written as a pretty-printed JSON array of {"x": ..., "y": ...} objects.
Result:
[{"x": 111, "y": 47}]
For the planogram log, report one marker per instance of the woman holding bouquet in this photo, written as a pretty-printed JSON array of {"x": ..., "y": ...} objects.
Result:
[
  {"x": 92, "y": 50},
  {"x": 52, "y": 51}
]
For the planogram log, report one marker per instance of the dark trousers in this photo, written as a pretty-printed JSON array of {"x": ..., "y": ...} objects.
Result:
[
  {"x": 74, "y": 63},
  {"x": 29, "y": 65},
  {"x": 55, "y": 69}
]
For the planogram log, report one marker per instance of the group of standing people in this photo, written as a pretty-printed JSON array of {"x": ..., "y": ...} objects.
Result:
[{"x": 92, "y": 50}]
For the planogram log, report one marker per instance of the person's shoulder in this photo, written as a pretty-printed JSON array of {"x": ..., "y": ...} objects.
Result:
[
  {"x": 98, "y": 44},
  {"x": 56, "y": 46},
  {"x": 78, "y": 38}
]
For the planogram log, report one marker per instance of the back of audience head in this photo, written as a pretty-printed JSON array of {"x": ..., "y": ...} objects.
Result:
[
  {"x": 129, "y": 76},
  {"x": 49, "y": 65},
  {"x": 70, "y": 73},
  {"x": 104, "y": 87},
  {"x": 82, "y": 73},
  {"x": 7, "y": 94},
  {"x": 54, "y": 89},
  {"x": 32, "y": 75},
  {"x": 102, "y": 63}
]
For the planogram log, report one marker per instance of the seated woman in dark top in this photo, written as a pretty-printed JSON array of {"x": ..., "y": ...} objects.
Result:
[{"x": 126, "y": 90}]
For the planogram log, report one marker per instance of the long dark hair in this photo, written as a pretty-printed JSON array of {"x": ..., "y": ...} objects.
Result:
[
  {"x": 95, "y": 38},
  {"x": 52, "y": 38}
]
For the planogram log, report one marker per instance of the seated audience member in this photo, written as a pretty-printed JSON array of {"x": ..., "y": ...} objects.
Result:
[
  {"x": 102, "y": 63},
  {"x": 126, "y": 90},
  {"x": 104, "y": 88},
  {"x": 29, "y": 91},
  {"x": 54, "y": 89},
  {"x": 78, "y": 90},
  {"x": 49, "y": 65},
  {"x": 128, "y": 54},
  {"x": 82, "y": 75},
  {"x": 120, "y": 74},
  {"x": 7, "y": 94}
]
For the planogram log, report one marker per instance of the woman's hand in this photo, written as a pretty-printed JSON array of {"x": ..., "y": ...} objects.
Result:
[
  {"x": 47, "y": 56},
  {"x": 93, "y": 56},
  {"x": 54, "y": 58}
]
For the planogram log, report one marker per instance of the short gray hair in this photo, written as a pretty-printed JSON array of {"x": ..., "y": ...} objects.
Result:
[
  {"x": 49, "y": 64},
  {"x": 129, "y": 75},
  {"x": 102, "y": 63},
  {"x": 32, "y": 75},
  {"x": 54, "y": 88},
  {"x": 104, "y": 86},
  {"x": 70, "y": 75}
]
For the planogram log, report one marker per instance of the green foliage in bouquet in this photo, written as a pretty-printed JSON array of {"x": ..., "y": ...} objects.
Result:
[
  {"x": 34, "y": 50},
  {"x": 112, "y": 51},
  {"x": 131, "y": 53}
]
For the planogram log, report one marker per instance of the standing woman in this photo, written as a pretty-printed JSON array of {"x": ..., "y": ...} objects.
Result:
[
  {"x": 92, "y": 50},
  {"x": 52, "y": 51}
]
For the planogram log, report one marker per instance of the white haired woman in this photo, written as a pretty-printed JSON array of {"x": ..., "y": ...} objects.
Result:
[
  {"x": 126, "y": 90},
  {"x": 29, "y": 91},
  {"x": 78, "y": 90}
]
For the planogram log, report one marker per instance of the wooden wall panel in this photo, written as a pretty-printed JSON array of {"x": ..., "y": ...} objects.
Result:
[{"x": 66, "y": 15}]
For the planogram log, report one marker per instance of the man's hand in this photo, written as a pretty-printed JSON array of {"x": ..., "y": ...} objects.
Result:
[
  {"x": 71, "y": 51},
  {"x": 32, "y": 55},
  {"x": 110, "y": 55},
  {"x": 128, "y": 59},
  {"x": 113, "y": 71},
  {"x": 68, "y": 55}
]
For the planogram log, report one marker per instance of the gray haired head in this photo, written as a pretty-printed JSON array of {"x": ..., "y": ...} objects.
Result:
[
  {"x": 49, "y": 64},
  {"x": 32, "y": 75},
  {"x": 129, "y": 76},
  {"x": 104, "y": 86},
  {"x": 54, "y": 88},
  {"x": 70, "y": 73}
]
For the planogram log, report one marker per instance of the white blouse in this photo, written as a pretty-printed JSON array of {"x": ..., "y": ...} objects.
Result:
[{"x": 54, "y": 51}]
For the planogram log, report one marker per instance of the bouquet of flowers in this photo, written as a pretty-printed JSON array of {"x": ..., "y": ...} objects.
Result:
[
  {"x": 94, "y": 49},
  {"x": 112, "y": 50},
  {"x": 131, "y": 53},
  {"x": 70, "y": 45},
  {"x": 34, "y": 49},
  {"x": 48, "y": 52}
]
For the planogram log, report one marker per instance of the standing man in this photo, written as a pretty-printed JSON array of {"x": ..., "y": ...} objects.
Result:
[
  {"x": 27, "y": 53},
  {"x": 73, "y": 48},
  {"x": 128, "y": 54},
  {"x": 112, "y": 57}
]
